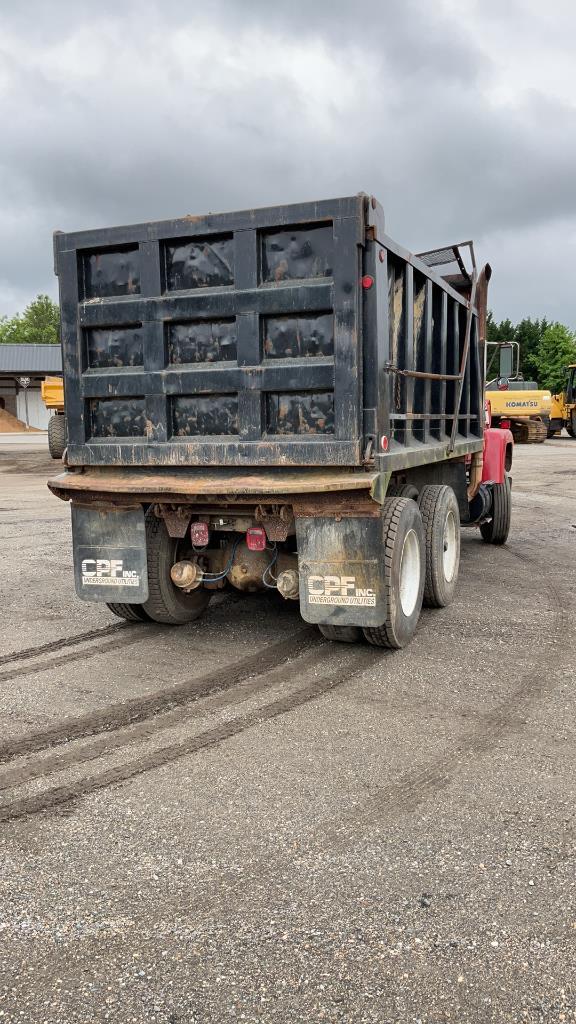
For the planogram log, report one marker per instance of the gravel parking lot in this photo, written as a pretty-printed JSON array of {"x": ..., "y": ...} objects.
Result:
[{"x": 237, "y": 820}]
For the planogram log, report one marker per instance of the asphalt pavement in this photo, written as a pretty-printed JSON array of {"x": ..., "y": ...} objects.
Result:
[{"x": 239, "y": 821}]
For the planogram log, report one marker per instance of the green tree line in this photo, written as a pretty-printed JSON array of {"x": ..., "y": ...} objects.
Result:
[
  {"x": 39, "y": 324},
  {"x": 546, "y": 348}
]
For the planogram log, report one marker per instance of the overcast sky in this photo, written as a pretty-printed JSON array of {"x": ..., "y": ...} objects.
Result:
[{"x": 459, "y": 116}]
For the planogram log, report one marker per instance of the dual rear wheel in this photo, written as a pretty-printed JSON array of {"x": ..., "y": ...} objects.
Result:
[{"x": 421, "y": 559}]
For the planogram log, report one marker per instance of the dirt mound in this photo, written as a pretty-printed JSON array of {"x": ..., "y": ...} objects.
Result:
[{"x": 10, "y": 425}]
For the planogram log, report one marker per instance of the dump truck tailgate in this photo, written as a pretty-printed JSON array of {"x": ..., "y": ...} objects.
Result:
[{"x": 224, "y": 340}]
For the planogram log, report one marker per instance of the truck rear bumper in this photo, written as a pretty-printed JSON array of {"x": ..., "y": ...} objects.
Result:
[{"x": 146, "y": 485}]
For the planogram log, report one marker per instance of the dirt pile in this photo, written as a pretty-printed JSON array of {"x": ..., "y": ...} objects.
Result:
[{"x": 10, "y": 425}]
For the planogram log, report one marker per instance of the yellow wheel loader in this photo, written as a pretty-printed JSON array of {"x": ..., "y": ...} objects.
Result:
[
  {"x": 53, "y": 398},
  {"x": 515, "y": 403},
  {"x": 563, "y": 407}
]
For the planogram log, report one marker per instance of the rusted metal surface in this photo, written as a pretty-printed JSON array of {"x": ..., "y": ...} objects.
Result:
[
  {"x": 482, "y": 302},
  {"x": 201, "y": 482},
  {"x": 246, "y": 567},
  {"x": 278, "y": 521},
  {"x": 450, "y": 254},
  {"x": 120, "y": 346},
  {"x": 475, "y": 478},
  {"x": 301, "y": 337},
  {"x": 177, "y": 519},
  {"x": 301, "y": 252},
  {"x": 420, "y": 375},
  {"x": 464, "y": 360},
  {"x": 210, "y": 341},
  {"x": 202, "y": 263},
  {"x": 341, "y": 505},
  {"x": 186, "y": 575}
]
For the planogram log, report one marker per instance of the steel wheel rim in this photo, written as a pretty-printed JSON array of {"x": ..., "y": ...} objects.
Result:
[
  {"x": 450, "y": 547},
  {"x": 410, "y": 573}
]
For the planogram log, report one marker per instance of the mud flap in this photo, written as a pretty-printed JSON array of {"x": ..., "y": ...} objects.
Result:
[
  {"x": 341, "y": 571},
  {"x": 110, "y": 554}
]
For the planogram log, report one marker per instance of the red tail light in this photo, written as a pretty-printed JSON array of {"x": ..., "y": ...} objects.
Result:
[{"x": 256, "y": 538}]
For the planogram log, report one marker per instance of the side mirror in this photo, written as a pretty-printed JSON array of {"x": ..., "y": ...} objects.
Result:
[{"x": 506, "y": 356}]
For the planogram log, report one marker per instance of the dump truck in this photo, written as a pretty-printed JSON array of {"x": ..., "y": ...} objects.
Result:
[
  {"x": 563, "y": 409},
  {"x": 277, "y": 399},
  {"x": 52, "y": 390},
  {"x": 516, "y": 404}
]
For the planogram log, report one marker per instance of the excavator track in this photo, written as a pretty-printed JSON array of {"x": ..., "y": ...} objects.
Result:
[{"x": 528, "y": 431}]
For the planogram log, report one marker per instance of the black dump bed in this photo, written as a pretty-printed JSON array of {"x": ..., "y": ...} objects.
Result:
[{"x": 287, "y": 336}]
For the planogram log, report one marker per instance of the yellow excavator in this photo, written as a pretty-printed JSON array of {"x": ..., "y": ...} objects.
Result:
[
  {"x": 563, "y": 408},
  {"x": 515, "y": 403},
  {"x": 53, "y": 397}
]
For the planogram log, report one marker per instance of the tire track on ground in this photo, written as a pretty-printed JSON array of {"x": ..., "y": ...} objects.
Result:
[
  {"x": 142, "y": 632},
  {"x": 352, "y": 664},
  {"x": 415, "y": 786},
  {"x": 136, "y": 710},
  {"x": 66, "y": 641},
  {"x": 410, "y": 791},
  {"x": 105, "y": 745}
]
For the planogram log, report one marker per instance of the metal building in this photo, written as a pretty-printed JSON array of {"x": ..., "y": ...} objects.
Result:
[{"x": 22, "y": 369}]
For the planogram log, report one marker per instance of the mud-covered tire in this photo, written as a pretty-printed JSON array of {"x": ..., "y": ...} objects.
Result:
[
  {"x": 404, "y": 572},
  {"x": 130, "y": 612},
  {"x": 342, "y": 634},
  {"x": 166, "y": 603},
  {"x": 57, "y": 436},
  {"x": 496, "y": 529},
  {"x": 441, "y": 518}
]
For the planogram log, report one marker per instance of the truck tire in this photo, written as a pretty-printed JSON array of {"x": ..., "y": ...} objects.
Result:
[
  {"x": 441, "y": 518},
  {"x": 571, "y": 424},
  {"x": 404, "y": 573},
  {"x": 343, "y": 634},
  {"x": 166, "y": 603},
  {"x": 57, "y": 436},
  {"x": 496, "y": 529},
  {"x": 130, "y": 612},
  {"x": 402, "y": 491}
]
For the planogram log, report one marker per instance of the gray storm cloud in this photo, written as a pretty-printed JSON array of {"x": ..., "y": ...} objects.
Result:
[{"x": 459, "y": 118}]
